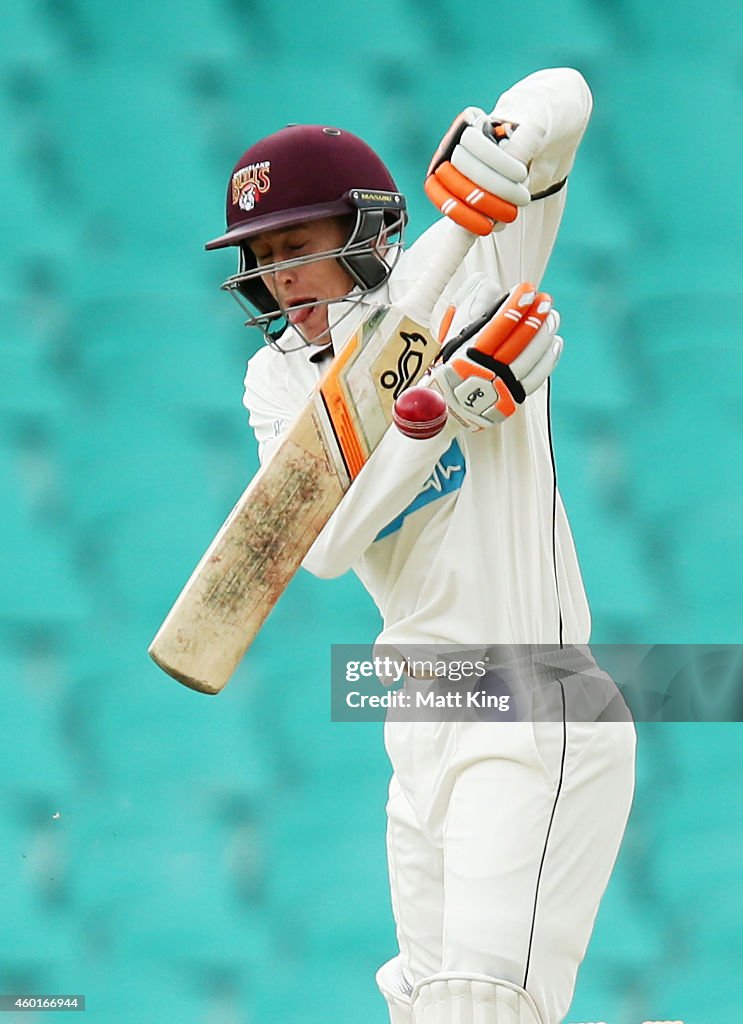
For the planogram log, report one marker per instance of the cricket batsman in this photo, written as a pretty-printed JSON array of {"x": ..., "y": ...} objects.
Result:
[{"x": 501, "y": 836}]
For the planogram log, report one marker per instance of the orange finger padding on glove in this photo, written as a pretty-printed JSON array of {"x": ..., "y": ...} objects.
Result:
[
  {"x": 466, "y": 203},
  {"x": 525, "y": 330},
  {"x": 506, "y": 349},
  {"x": 456, "y": 209}
]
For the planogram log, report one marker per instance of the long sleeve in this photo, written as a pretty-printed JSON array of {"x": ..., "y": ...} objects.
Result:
[
  {"x": 559, "y": 101},
  {"x": 276, "y": 388},
  {"x": 387, "y": 484},
  {"x": 270, "y": 405}
]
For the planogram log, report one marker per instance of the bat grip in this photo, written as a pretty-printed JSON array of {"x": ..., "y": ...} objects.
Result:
[
  {"x": 454, "y": 247},
  {"x": 525, "y": 142}
]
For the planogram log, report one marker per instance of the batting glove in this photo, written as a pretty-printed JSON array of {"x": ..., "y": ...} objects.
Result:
[
  {"x": 496, "y": 350},
  {"x": 473, "y": 179}
]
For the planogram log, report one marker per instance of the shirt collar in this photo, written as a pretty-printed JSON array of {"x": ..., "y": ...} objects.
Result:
[{"x": 348, "y": 324}]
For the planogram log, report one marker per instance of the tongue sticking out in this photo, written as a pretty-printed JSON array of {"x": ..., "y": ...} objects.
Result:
[{"x": 298, "y": 316}]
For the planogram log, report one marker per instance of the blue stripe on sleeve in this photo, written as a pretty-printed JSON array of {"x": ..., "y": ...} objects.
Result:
[{"x": 446, "y": 477}]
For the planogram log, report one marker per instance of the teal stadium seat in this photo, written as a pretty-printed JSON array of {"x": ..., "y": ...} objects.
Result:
[
  {"x": 654, "y": 111},
  {"x": 161, "y": 34},
  {"x": 684, "y": 440},
  {"x": 696, "y": 32},
  {"x": 30, "y": 394},
  {"x": 37, "y": 928},
  {"x": 25, "y": 34},
  {"x": 40, "y": 590}
]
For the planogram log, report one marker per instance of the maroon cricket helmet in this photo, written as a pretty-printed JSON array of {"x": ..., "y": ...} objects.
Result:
[
  {"x": 303, "y": 173},
  {"x": 300, "y": 173}
]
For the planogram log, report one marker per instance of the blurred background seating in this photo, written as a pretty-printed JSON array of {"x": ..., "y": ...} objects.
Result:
[{"x": 181, "y": 859}]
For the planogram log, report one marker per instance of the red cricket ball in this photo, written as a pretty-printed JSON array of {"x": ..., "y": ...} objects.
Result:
[{"x": 420, "y": 412}]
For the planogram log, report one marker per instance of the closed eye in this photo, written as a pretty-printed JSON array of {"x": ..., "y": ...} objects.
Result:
[
  {"x": 264, "y": 258},
  {"x": 288, "y": 248}
]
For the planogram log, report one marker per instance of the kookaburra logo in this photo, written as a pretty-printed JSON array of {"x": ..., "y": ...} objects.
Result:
[
  {"x": 409, "y": 363},
  {"x": 473, "y": 397}
]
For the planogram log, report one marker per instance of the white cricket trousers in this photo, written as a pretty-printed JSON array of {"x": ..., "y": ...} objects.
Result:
[{"x": 501, "y": 840}]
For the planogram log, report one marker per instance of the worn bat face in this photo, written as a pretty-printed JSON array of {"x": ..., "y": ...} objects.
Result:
[{"x": 276, "y": 520}]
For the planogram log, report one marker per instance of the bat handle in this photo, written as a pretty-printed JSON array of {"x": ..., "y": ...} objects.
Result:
[
  {"x": 454, "y": 247},
  {"x": 525, "y": 142}
]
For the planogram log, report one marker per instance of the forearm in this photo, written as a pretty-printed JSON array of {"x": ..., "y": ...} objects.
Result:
[{"x": 391, "y": 479}]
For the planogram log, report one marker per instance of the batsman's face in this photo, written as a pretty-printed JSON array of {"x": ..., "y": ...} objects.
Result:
[{"x": 309, "y": 285}]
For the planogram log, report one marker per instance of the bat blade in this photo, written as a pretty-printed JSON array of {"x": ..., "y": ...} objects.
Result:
[{"x": 274, "y": 523}]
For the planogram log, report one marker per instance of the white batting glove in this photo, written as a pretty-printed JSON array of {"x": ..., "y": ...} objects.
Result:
[
  {"x": 475, "y": 177},
  {"x": 496, "y": 350}
]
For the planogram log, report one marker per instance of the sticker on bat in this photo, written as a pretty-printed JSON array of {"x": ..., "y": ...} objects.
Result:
[{"x": 409, "y": 363}]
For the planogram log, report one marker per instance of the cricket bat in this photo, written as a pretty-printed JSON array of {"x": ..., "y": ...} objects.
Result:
[{"x": 277, "y": 518}]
